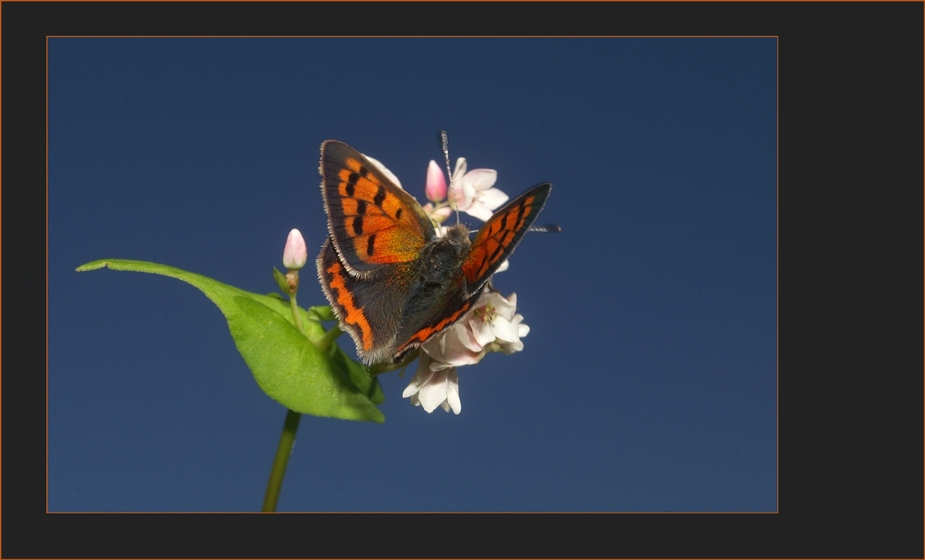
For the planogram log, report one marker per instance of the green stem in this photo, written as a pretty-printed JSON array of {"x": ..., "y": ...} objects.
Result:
[
  {"x": 328, "y": 338},
  {"x": 291, "y": 425},
  {"x": 296, "y": 316},
  {"x": 286, "y": 441}
]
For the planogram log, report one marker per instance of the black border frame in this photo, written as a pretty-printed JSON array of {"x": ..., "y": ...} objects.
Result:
[{"x": 850, "y": 289}]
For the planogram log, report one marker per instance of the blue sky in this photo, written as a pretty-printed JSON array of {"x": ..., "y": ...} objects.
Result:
[{"x": 648, "y": 381}]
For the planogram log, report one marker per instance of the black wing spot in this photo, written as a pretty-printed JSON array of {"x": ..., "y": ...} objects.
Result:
[
  {"x": 370, "y": 245},
  {"x": 351, "y": 184}
]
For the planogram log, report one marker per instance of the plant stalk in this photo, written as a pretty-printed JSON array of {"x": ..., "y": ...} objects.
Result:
[{"x": 278, "y": 472}]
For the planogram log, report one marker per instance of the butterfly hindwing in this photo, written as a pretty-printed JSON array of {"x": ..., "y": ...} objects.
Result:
[
  {"x": 371, "y": 220},
  {"x": 365, "y": 306},
  {"x": 498, "y": 237}
]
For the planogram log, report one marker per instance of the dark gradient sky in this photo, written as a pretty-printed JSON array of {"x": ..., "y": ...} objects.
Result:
[{"x": 648, "y": 381}]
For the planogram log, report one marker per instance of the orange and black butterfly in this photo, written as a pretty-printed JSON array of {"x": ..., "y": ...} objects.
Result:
[{"x": 392, "y": 281}]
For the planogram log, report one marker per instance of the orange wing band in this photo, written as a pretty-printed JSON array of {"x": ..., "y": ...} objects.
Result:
[
  {"x": 422, "y": 335},
  {"x": 352, "y": 315}
]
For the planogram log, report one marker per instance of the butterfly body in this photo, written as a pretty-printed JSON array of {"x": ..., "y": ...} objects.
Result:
[{"x": 392, "y": 281}]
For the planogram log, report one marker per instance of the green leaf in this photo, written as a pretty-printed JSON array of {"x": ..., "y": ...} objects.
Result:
[
  {"x": 281, "y": 281},
  {"x": 286, "y": 365},
  {"x": 323, "y": 312}
]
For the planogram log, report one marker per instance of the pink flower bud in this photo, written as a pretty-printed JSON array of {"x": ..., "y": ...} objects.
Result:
[
  {"x": 435, "y": 188},
  {"x": 295, "y": 254}
]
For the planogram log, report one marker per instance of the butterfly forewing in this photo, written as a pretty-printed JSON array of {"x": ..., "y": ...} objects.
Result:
[
  {"x": 497, "y": 239},
  {"x": 372, "y": 221}
]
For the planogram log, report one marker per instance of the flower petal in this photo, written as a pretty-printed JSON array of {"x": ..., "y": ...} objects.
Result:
[
  {"x": 493, "y": 198},
  {"x": 464, "y": 195},
  {"x": 504, "y": 329},
  {"x": 452, "y": 392},
  {"x": 481, "y": 330},
  {"x": 431, "y": 399},
  {"x": 476, "y": 210},
  {"x": 460, "y": 170},
  {"x": 481, "y": 179}
]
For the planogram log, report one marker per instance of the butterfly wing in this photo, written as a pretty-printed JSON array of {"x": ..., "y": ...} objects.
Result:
[
  {"x": 498, "y": 237},
  {"x": 365, "y": 306},
  {"x": 372, "y": 221}
]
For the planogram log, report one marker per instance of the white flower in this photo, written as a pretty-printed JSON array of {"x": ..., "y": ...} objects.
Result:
[
  {"x": 491, "y": 326},
  {"x": 473, "y": 192},
  {"x": 497, "y": 326},
  {"x": 431, "y": 389}
]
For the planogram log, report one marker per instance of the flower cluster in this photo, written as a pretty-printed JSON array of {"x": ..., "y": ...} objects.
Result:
[{"x": 492, "y": 326}]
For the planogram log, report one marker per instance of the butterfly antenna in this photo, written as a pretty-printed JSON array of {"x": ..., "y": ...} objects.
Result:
[{"x": 444, "y": 144}]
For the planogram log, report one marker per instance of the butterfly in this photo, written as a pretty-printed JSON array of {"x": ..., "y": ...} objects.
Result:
[{"x": 392, "y": 281}]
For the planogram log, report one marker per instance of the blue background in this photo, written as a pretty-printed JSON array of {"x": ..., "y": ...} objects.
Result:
[{"x": 648, "y": 380}]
